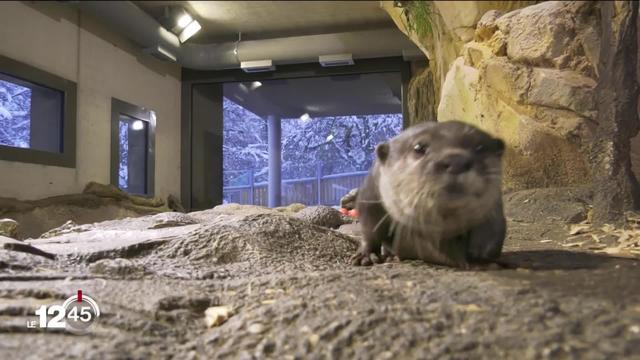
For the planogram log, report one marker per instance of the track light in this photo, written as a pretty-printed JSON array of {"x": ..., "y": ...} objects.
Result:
[
  {"x": 189, "y": 31},
  {"x": 184, "y": 20}
]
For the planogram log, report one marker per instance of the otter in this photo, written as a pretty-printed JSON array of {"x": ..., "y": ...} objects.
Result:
[{"x": 434, "y": 193}]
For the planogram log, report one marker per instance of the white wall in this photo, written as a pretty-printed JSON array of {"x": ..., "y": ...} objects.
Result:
[{"x": 58, "y": 39}]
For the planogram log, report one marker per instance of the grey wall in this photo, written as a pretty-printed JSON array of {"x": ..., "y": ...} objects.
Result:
[{"x": 56, "y": 38}]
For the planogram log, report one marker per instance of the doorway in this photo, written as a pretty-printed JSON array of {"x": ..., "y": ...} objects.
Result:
[
  {"x": 305, "y": 140},
  {"x": 311, "y": 129}
]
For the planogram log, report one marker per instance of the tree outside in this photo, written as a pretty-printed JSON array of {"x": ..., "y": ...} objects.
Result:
[{"x": 331, "y": 145}]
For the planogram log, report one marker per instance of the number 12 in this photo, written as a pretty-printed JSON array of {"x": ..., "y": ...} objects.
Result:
[{"x": 56, "y": 322}]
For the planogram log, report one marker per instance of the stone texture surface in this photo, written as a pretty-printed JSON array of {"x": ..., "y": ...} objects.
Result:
[
  {"x": 97, "y": 203},
  {"x": 550, "y": 34},
  {"x": 528, "y": 75},
  {"x": 523, "y": 80},
  {"x": 321, "y": 215},
  {"x": 117, "y": 268},
  {"x": 246, "y": 284},
  {"x": 487, "y": 26},
  {"x": 9, "y": 228},
  {"x": 569, "y": 205},
  {"x": 454, "y": 24}
]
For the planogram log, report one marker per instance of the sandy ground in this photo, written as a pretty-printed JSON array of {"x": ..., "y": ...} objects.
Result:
[{"x": 293, "y": 295}]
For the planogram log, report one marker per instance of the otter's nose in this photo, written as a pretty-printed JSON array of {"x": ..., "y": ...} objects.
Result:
[{"x": 454, "y": 164}]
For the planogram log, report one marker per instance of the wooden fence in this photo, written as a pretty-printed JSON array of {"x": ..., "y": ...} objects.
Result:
[{"x": 319, "y": 190}]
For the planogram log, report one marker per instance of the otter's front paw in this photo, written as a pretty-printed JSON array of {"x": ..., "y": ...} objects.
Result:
[{"x": 366, "y": 258}]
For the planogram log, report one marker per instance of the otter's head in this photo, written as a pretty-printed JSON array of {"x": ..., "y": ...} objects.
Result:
[{"x": 443, "y": 170}]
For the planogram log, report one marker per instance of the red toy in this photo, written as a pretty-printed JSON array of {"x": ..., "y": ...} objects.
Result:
[{"x": 352, "y": 213}]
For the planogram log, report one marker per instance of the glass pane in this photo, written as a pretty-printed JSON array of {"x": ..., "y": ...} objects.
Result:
[
  {"x": 324, "y": 158},
  {"x": 132, "y": 171},
  {"x": 329, "y": 127},
  {"x": 245, "y": 155},
  {"x": 30, "y": 115}
]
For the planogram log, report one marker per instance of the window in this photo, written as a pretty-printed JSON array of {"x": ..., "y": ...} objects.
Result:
[
  {"x": 132, "y": 148},
  {"x": 37, "y": 115},
  {"x": 328, "y": 128}
]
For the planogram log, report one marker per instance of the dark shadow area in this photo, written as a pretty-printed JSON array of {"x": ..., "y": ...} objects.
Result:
[
  {"x": 571, "y": 273},
  {"x": 559, "y": 260}
]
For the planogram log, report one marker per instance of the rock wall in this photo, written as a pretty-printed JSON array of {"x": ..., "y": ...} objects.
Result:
[
  {"x": 527, "y": 75},
  {"x": 453, "y": 24}
]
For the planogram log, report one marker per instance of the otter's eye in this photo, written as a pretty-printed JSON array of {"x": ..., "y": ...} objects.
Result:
[{"x": 420, "y": 149}]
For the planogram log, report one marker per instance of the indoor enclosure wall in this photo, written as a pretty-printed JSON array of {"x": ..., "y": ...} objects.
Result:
[{"x": 62, "y": 41}]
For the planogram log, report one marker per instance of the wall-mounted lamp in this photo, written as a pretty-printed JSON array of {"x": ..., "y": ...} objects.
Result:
[{"x": 137, "y": 125}]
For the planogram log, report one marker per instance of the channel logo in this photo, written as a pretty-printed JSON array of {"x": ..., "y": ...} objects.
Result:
[{"x": 76, "y": 314}]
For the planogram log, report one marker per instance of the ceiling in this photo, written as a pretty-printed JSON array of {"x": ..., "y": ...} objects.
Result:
[
  {"x": 365, "y": 94},
  {"x": 222, "y": 20}
]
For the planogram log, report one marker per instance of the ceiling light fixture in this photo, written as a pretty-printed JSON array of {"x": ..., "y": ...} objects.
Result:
[
  {"x": 161, "y": 53},
  {"x": 184, "y": 20},
  {"x": 335, "y": 60},
  {"x": 257, "y": 66},
  {"x": 189, "y": 31}
]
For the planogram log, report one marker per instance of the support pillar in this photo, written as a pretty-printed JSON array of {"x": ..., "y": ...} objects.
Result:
[{"x": 275, "y": 160}]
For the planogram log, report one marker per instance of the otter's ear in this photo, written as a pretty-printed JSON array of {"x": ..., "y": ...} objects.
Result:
[
  {"x": 498, "y": 146},
  {"x": 382, "y": 151}
]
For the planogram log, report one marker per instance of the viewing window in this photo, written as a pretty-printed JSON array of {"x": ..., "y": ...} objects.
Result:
[
  {"x": 31, "y": 115},
  {"x": 37, "y": 115},
  {"x": 327, "y": 129},
  {"x": 132, "y": 154}
]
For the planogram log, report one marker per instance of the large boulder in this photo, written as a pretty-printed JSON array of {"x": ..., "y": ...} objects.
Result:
[
  {"x": 558, "y": 34},
  {"x": 523, "y": 80}
]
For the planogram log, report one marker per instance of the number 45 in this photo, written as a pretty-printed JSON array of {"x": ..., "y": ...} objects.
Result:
[{"x": 85, "y": 314}]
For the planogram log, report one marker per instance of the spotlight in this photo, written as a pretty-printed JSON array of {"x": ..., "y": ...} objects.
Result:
[
  {"x": 137, "y": 125},
  {"x": 184, "y": 20},
  {"x": 189, "y": 31}
]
